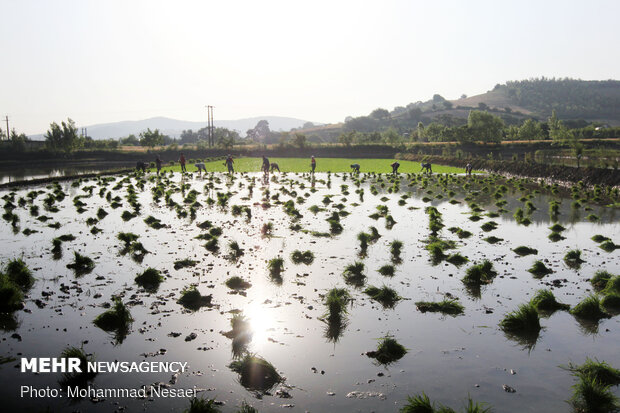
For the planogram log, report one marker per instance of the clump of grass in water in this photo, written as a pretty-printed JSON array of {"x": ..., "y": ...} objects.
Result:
[
  {"x": 246, "y": 408},
  {"x": 192, "y": 299},
  {"x": 149, "y": 279},
  {"x": 184, "y": 263},
  {"x": 457, "y": 259},
  {"x": 235, "y": 251},
  {"x": 446, "y": 306},
  {"x": 493, "y": 239},
  {"x": 267, "y": 229},
  {"x": 544, "y": 301},
  {"x": 589, "y": 309},
  {"x": 337, "y": 300},
  {"x": 557, "y": 228},
  {"x": 555, "y": 237},
  {"x": 482, "y": 273},
  {"x": 276, "y": 267},
  {"x": 600, "y": 279},
  {"x": 237, "y": 283},
  {"x": 389, "y": 351},
  {"x": 18, "y": 273},
  {"x": 591, "y": 395},
  {"x": 522, "y": 324},
  {"x": 11, "y": 296},
  {"x": 256, "y": 373},
  {"x": 396, "y": 247},
  {"x": 74, "y": 378},
  {"x": 523, "y": 251},
  {"x": 116, "y": 319},
  {"x": 422, "y": 404},
  {"x": 354, "y": 274},
  {"x": 363, "y": 238},
  {"x": 387, "y": 270},
  {"x": 611, "y": 303},
  {"x": 612, "y": 286},
  {"x": 385, "y": 295},
  {"x": 573, "y": 259},
  {"x": 81, "y": 265},
  {"x": 539, "y": 269},
  {"x": 489, "y": 226},
  {"x": 599, "y": 370},
  {"x": 212, "y": 245},
  {"x": 201, "y": 405},
  {"x": 305, "y": 257},
  {"x": 153, "y": 222},
  {"x": 600, "y": 238},
  {"x": 608, "y": 246}
]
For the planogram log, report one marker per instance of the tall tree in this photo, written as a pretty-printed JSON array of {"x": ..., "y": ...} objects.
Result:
[
  {"x": 63, "y": 137},
  {"x": 530, "y": 130},
  {"x": 485, "y": 126},
  {"x": 151, "y": 138}
]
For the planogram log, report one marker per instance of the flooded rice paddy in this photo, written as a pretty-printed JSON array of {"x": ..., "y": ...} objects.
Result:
[{"x": 324, "y": 365}]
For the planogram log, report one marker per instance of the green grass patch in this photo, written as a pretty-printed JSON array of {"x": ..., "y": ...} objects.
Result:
[
  {"x": 544, "y": 301},
  {"x": 149, "y": 279},
  {"x": 589, "y": 309},
  {"x": 322, "y": 165}
]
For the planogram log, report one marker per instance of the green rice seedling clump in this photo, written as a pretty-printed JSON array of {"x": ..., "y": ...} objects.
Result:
[
  {"x": 388, "y": 351},
  {"x": 302, "y": 257},
  {"x": 612, "y": 286},
  {"x": 446, "y": 306},
  {"x": 611, "y": 303},
  {"x": 115, "y": 319},
  {"x": 599, "y": 281},
  {"x": 608, "y": 246},
  {"x": 590, "y": 395},
  {"x": 81, "y": 264},
  {"x": 18, "y": 272},
  {"x": 11, "y": 295},
  {"x": 385, "y": 295},
  {"x": 256, "y": 373},
  {"x": 523, "y": 251},
  {"x": 184, "y": 263},
  {"x": 599, "y": 238},
  {"x": 237, "y": 283},
  {"x": 589, "y": 309},
  {"x": 276, "y": 266},
  {"x": 387, "y": 270},
  {"x": 482, "y": 273},
  {"x": 354, "y": 274},
  {"x": 149, "y": 279},
  {"x": 539, "y": 269},
  {"x": 192, "y": 299},
  {"x": 544, "y": 301},
  {"x": 202, "y": 405},
  {"x": 524, "y": 319}
]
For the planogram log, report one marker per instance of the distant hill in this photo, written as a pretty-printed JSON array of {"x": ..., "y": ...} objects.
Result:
[
  {"x": 174, "y": 127},
  {"x": 590, "y": 100}
]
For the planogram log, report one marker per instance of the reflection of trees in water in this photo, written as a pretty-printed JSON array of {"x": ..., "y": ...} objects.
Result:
[{"x": 8, "y": 322}]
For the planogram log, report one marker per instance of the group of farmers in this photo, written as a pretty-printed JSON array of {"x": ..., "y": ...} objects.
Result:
[{"x": 268, "y": 167}]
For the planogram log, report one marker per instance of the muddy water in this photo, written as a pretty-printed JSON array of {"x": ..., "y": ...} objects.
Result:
[{"x": 448, "y": 358}]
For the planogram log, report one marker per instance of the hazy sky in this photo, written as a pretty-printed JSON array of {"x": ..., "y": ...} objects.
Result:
[{"x": 105, "y": 61}]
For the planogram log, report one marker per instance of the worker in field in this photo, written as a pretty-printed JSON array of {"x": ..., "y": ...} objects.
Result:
[
  {"x": 182, "y": 162},
  {"x": 158, "y": 163},
  {"x": 313, "y": 163},
  {"x": 266, "y": 165},
  {"x": 229, "y": 163},
  {"x": 395, "y": 165}
]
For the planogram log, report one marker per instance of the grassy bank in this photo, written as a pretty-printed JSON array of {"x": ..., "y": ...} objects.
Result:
[{"x": 322, "y": 165}]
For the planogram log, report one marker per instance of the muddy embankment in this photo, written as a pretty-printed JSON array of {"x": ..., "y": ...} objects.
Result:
[{"x": 558, "y": 173}]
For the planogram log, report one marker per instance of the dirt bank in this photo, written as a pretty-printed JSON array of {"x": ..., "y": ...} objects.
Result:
[{"x": 590, "y": 176}]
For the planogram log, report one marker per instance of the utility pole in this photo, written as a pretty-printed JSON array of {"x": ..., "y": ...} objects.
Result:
[
  {"x": 8, "y": 133},
  {"x": 210, "y": 127}
]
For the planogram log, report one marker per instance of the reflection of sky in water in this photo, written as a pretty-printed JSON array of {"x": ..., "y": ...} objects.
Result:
[
  {"x": 447, "y": 356},
  {"x": 11, "y": 175}
]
